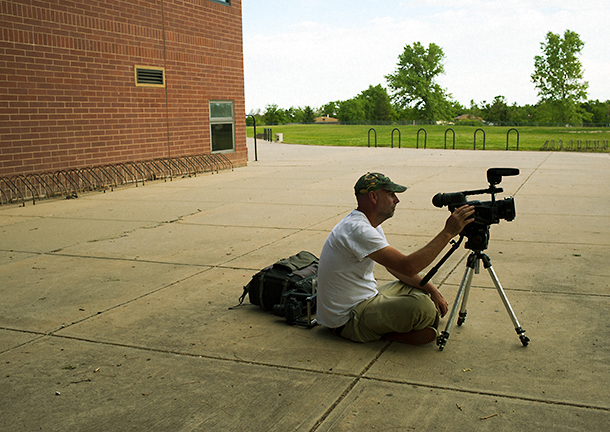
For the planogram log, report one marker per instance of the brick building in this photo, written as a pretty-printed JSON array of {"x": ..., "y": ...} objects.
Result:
[{"x": 86, "y": 83}]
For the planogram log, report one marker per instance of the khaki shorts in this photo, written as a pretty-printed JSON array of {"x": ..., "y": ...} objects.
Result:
[{"x": 397, "y": 307}]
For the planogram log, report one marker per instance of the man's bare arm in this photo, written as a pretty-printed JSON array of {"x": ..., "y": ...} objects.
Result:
[{"x": 411, "y": 265}]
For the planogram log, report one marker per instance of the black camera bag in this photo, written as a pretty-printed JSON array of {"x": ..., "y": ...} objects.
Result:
[{"x": 298, "y": 272}]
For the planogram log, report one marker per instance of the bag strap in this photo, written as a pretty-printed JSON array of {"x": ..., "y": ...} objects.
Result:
[
  {"x": 261, "y": 289},
  {"x": 243, "y": 295}
]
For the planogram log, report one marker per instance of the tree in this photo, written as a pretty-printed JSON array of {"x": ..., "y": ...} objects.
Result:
[
  {"x": 497, "y": 111},
  {"x": 309, "y": 115},
  {"x": 273, "y": 115},
  {"x": 413, "y": 83},
  {"x": 378, "y": 106},
  {"x": 293, "y": 115},
  {"x": 558, "y": 76},
  {"x": 330, "y": 109},
  {"x": 371, "y": 105},
  {"x": 524, "y": 114},
  {"x": 600, "y": 111},
  {"x": 352, "y": 110}
]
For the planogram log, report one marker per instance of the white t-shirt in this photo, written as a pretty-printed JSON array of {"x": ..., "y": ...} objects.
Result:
[{"x": 345, "y": 273}]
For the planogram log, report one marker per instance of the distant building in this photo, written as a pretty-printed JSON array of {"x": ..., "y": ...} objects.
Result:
[
  {"x": 112, "y": 81},
  {"x": 467, "y": 117},
  {"x": 326, "y": 119}
]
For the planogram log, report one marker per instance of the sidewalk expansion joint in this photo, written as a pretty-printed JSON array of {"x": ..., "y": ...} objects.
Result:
[
  {"x": 484, "y": 393},
  {"x": 357, "y": 377},
  {"x": 348, "y": 389},
  {"x": 133, "y": 260}
]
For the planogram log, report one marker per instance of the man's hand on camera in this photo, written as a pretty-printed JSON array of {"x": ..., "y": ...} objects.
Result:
[{"x": 459, "y": 219}]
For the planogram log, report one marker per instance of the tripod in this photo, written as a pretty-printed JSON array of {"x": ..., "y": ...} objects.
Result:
[
  {"x": 472, "y": 266},
  {"x": 478, "y": 238}
]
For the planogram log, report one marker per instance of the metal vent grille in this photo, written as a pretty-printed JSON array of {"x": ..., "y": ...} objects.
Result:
[{"x": 150, "y": 76}]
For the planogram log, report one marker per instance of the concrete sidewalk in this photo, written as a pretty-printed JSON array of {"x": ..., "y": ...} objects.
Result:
[{"x": 115, "y": 307}]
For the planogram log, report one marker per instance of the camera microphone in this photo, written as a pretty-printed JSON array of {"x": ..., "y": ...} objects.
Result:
[{"x": 494, "y": 175}]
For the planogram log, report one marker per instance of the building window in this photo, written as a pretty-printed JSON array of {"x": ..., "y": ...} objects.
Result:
[
  {"x": 227, "y": 2},
  {"x": 222, "y": 126},
  {"x": 149, "y": 76}
]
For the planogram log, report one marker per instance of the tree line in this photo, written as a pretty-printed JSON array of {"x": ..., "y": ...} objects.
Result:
[{"x": 414, "y": 95}]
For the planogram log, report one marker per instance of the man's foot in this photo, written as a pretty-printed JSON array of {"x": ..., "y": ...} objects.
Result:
[{"x": 414, "y": 337}]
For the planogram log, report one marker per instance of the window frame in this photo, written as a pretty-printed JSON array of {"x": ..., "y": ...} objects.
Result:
[{"x": 221, "y": 121}]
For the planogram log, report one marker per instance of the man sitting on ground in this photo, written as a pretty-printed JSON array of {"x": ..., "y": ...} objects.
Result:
[{"x": 349, "y": 300}]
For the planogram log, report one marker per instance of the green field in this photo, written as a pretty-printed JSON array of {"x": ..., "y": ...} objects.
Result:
[{"x": 438, "y": 136}]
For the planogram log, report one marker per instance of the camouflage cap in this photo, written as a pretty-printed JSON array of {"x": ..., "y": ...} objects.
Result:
[{"x": 373, "y": 181}]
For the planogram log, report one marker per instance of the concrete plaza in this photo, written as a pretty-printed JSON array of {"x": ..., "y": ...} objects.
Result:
[{"x": 117, "y": 308}]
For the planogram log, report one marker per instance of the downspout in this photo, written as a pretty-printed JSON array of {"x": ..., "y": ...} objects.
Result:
[{"x": 169, "y": 155}]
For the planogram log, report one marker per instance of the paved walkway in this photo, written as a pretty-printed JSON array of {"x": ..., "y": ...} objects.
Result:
[{"x": 115, "y": 307}]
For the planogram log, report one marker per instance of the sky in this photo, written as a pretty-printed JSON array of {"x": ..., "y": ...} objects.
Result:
[{"x": 301, "y": 53}]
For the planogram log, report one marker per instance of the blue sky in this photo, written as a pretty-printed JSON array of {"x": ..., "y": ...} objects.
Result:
[{"x": 310, "y": 52}]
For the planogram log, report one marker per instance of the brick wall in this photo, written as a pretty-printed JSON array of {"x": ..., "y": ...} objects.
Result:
[{"x": 67, "y": 93}]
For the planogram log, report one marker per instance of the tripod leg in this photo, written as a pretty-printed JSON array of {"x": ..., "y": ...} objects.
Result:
[
  {"x": 487, "y": 262},
  {"x": 473, "y": 262},
  {"x": 464, "y": 287},
  {"x": 463, "y": 311}
]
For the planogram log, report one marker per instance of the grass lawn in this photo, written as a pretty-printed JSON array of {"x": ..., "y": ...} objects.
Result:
[{"x": 437, "y": 136}]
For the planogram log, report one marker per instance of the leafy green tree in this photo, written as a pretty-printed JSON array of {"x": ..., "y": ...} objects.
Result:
[
  {"x": 309, "y": 115},
  {"x": 414, "y": 82},
  {"x": 330, "y": 109},
  {"x": 524, "y": 114},
  {"x": 377, "y": 106},
  {"x": 273, "y": 115},
  {"x": 474, "y": 110},
  {"x": 352, "y": 110},
  {"x": 293, "y": 115},
  {"x": 600, "y": 111},
  {"x": 558, "y": 76},
  {"x": 497, "y": 111},
  {"x": 371, "y": 105}
]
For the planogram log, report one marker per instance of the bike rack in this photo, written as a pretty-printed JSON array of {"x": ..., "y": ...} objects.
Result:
[
  {"x": 475, "y": 138},
  {"x": 372, "y": 129},
  {"x": 214, "y": 163},
  {"x": 392, "y": 141},
  {"x": 226, "y": 161},
  {"x": 425, "y": 137},
  {"x": 446, "y": 138},
  {"x": 13, "y": 189},
  {"x": 70, "y": 181},
  {"x": 29, "y": 186},
  {"x": 507, "y": 133}
]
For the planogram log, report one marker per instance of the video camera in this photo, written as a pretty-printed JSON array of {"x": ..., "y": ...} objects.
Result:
[{"x": 486, "y": 212}]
